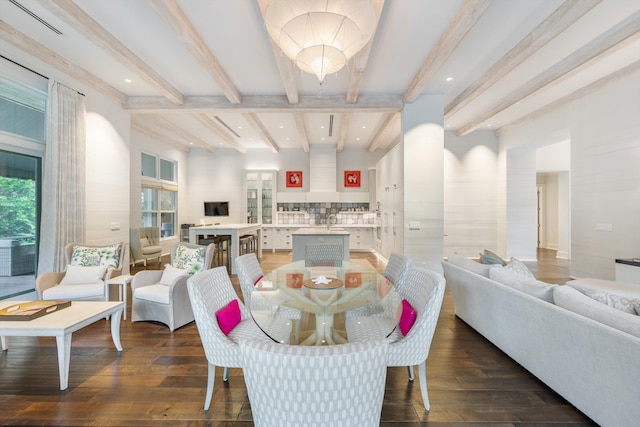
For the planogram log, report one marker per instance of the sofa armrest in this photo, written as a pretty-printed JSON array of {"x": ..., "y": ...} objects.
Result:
[{"x": 47, "y": 280}]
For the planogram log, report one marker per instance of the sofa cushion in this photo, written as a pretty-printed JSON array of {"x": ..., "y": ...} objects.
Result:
[
  {"x": 469, "y": 264},
  {"x": 532, "y": 287},
  {"x": 155, "y": 293},
  {"x": 79, "y": 275},
  {"x": 574, "y": 300},
  {"x": 75, "y": 292},
  {"x": 488, "y": 257}
]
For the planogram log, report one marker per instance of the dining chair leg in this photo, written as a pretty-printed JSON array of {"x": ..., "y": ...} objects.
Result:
[
  {"x": 296, "y": 335},
  {"x": 211, "y": 377},
  {"x": 422, "y": 373},
  {"x": 410, "y": 371},
  {"x": 225, "y": 376}
]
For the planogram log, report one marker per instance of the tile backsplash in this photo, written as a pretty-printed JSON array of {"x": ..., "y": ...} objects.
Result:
[{"x": 318, "y": 213}]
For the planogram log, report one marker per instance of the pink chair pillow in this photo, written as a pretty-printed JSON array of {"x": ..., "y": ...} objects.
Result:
[
  {"x": 229, "y": 316},
  {"x": 407, "y": 318}
]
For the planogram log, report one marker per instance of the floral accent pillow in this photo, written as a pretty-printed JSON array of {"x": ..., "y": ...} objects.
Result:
[
  {"x": 190, "y": 259},
  {"x": 91, "y": 256}
]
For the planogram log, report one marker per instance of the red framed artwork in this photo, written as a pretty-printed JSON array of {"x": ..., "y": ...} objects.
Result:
[
  {"x": 294, "y": 280},
  {"x": 294, "y": 178},
  {"x": 352, "y": 178}
]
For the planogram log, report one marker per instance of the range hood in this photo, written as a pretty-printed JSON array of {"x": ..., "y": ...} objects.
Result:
[{"x": 322, "y": 174}]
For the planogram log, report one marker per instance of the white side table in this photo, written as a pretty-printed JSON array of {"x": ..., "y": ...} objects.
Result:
[{"x": 122, "y": 281}]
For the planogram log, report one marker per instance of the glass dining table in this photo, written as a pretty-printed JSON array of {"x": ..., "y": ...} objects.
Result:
[{"x": 324, "y": 297}]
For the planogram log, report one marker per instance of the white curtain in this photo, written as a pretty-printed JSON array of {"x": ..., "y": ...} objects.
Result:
[{"x": 63, "y": 188}]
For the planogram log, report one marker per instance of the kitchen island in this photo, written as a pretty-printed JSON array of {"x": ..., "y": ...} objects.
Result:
[
  {"x": 233, "y": 230},
  {"x": 315, "y": 235}
]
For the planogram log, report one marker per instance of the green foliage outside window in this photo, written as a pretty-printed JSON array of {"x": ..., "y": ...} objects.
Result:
[{"x": 18, "y": 208}]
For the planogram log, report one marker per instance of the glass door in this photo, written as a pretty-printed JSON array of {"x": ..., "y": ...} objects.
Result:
[
  {"x": 252, "y": 197},
  {"x": 20, "y": 179},
  {"x": 267, "y": 198}
]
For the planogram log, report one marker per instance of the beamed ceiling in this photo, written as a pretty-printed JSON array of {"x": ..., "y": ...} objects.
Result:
[{"x": 205, "y": 74}]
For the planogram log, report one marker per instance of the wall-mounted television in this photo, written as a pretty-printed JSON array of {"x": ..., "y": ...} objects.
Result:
[{"x": 216, "y": 208}]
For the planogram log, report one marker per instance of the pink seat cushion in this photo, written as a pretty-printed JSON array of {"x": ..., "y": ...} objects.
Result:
[
  {"x": 407, "y": 318},
  {"x": 229, "y": 316}
]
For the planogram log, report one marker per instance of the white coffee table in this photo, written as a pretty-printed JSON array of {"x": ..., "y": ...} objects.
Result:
[{"x": 62, "y": 324}]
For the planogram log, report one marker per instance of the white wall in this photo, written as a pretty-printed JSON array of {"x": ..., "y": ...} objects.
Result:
[
  {"x": 423, "y": 222},
  {"x": 470, "y": 193},
  {"x": 605, "y": 179}
]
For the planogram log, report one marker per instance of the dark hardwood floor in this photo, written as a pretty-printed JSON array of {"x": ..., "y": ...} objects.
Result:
[{"x": 160, "y": 378}]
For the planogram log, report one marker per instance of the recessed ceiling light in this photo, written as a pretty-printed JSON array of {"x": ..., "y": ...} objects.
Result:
[
  {"x": 489, "y": 125},
  {"x": 191, "y": 143},
  {"x": 323, "y": 139},
  {"x": 357, "y": 139},
  {"x": 288, "y": 138},
  {"x": 239, "y": 127},
  {"x": 364, "y": 127},
  {"x": 322, "y": 127},
  {"x": 127, "y": 80},
  {"x": 220, "y": 143},
  {"x": 449, "y": 79},
  {"x": 281, "y": 127}
]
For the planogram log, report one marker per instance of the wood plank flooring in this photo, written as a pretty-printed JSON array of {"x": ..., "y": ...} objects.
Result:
[{"x": 160, "y": 378}]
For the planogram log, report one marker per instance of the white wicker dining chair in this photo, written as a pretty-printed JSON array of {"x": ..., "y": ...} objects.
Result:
[
  {"x": 249, "y": 273},
  {"x": 323, "y": 254},
  {"x": 337, "y": 385},
  {"x": 210, "y": 291},
  {"x": 424, "y": 290}
]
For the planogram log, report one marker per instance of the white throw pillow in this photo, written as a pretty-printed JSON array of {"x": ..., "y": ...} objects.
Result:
[
  {"x": 170, "y": 274},
  {"x": 533, "y": 287},
  {"x": 80, "y": 275},
  {"x": 518, "y": 267}
]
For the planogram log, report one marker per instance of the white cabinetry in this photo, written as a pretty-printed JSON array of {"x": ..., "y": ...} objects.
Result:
[
  {"x": 260, "y": 190},
  {"x": 268, "y": 239},
  {"x": 284, "y": 239},
  {"x": 361, "y": 238}
]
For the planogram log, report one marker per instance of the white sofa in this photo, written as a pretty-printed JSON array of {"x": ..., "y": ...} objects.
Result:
[{"x": 594, "y": 366}]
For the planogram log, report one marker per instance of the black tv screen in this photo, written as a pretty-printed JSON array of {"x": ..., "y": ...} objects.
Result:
[{"x": 216, "y": 208}]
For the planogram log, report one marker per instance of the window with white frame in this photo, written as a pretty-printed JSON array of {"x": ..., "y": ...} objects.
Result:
[{"x": 159, "y": 194}]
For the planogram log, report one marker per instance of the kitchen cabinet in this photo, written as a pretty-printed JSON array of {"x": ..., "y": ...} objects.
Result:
[
  {"x": 260, "y": 190},
  {"x": 361, "y": 238}
]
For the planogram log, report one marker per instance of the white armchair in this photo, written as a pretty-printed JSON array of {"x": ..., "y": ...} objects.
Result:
[
  {"x": 161, "y": 295},
  {"x": 144, "y": 244},
  {"x": 88, "y": 268},
  {"x": 337, "y": 385}
]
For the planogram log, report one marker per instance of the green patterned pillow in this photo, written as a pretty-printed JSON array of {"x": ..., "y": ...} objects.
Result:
[
  {"x": 189, "y": 259},
  {"x": 91, "y": 256}
]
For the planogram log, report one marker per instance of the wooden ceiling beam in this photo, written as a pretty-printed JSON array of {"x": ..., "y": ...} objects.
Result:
[
  {"x": 468, "y": 15},
  {"x": 344, "y": 132},
  {"x": 177, "y": 21},
  {"x": 562, "y": 18},
  {"x": 623, "y": 33},
  {"x": 257, "y": 125},
  {"x": 602, "y": 83},
  {"x": 73, "y": 15},
  {"x": 385, "y": 127},
  {"x": 142, "y": 128},
  {"x": 358, "y": 63},
  {"x": 302, "y": 130},
  {"x": 163, "y": 123},
  {"x": 286, "y": 67},
  {"x": 212, "y": 124},
  {"x": 266, "y": 103},
  {"x": 42, "y": 53}
]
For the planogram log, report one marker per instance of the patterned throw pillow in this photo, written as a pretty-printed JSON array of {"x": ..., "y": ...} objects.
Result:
[
  {"x": 189, "y": 259},
  {"x": 628, "y": 305},
  {"x": 91, "y": 256}
]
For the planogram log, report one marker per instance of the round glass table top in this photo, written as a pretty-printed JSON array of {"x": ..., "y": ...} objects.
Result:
[{"x": 321, "y": 300}]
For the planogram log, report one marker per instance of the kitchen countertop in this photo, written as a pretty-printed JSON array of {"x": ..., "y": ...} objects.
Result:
[
  {"x": 301, "y": 226},
  {"x": 316, "y": 231}
]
